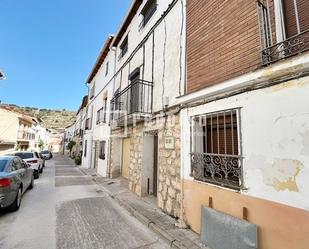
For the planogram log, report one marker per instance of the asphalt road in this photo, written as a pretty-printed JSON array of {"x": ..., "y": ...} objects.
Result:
[{"x": 66, "y": 210}]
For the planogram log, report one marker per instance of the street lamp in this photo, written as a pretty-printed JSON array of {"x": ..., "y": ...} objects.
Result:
[{"x": 2, "y": 76}]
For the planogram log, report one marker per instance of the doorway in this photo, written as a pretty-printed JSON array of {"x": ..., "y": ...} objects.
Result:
[
  {"x": 150, "y": 164},
  {"x": 125, "y": 157}
]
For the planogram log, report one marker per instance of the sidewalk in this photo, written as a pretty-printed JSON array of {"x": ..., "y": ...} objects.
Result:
[{"x": 146, "y": 211}]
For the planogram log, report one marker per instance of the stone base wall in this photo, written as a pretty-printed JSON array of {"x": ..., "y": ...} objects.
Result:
[{"x": 169, "y": 183}]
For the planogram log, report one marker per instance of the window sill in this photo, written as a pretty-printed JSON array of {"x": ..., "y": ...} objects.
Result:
[{"x": 240, "y": 190}]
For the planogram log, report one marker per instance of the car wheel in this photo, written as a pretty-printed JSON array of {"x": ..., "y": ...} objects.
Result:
[
  {"x": 16, "y": 204},
  {"x": 36, "y": 174},
  {"x": 31, "y": 184}
]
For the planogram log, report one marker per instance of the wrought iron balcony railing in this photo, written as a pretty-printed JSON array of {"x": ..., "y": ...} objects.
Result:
[
  {"x": 218, "y": 169},
  {"x": 292, "y": 46},
  {"x": 134, "y": 100},
  {"x": 23, "y": 135}
]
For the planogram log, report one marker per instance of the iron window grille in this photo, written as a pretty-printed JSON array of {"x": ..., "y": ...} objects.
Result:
[
  {"x": 147, "y": 12},
  {"x": 102, "y": 150},
  {"x": 216, "y": 156},
  {"x": 136, "y": 98},
  {"x": 295, "y": 29}
]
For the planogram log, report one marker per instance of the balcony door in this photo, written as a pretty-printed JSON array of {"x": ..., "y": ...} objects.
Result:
[{"x": 135, "y": 91}]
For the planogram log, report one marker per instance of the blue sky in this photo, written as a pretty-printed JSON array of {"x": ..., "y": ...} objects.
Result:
[{"x": 47, "y": 48}]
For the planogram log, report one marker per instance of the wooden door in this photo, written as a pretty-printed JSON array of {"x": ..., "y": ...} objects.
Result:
[{"x": 125, "y": 157}]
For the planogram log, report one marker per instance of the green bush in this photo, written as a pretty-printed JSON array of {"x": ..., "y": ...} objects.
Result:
[{"x": 78, "y": 160}]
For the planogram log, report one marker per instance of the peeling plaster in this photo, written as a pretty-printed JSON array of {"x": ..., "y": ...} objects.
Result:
[
  {"x": 285, "y": 172},
  {"x": 292, "y": 83},
  {"x": 281, "y": 174}
]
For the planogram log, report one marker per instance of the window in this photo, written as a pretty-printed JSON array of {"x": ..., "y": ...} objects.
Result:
[
  {"x": 216, "y": 155},
  {"x": 292, "y": 28},
  {"x": 88, "y": 124},
  {"x": 148, "y": 11},
  {"x": 102, "y": 150},
  {"x": 101, "y": 114},
  {"x": 296, "y": 17},
  {"x": 85, "y": 149},
  {"x": 124, "y": 47},
  {"x": 92, "y": 89},
  {"x": 3, "y": 163},
  {"x": 106, "y": 68}
]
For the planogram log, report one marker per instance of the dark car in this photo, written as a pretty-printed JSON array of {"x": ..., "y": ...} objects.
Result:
[{"x": 16, "y": 177}]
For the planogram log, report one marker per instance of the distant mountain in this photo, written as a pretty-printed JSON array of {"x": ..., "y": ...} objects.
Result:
[{"x": 52, "y": 119}]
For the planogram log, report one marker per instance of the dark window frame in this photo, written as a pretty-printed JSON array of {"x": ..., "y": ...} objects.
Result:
[
  {"x": 106, "y": 68},
  {"x": 102, "y": 154},
  {"x": 85, "y": 148},
  {"x": 148, "y": 11},
  {"x": 124, "y": 47}
]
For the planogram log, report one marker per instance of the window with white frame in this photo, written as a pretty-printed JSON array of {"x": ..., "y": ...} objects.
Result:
[
  {"x": 92, "y": 90},
  {"x": 216, "y": 153},
  {"x": 101, "y": 113}
]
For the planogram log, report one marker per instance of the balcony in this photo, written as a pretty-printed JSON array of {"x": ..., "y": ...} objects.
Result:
[
  {"x": 292, "y": 46},
  {"x": 23, "y": 135},
  {"x": 134, "y": 103}
]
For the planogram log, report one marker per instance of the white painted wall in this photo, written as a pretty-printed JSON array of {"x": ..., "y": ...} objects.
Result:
[
  {"x": 100, "y": 132},
  {"x": 167, "y": 67},
  {"x": 274, "y": 139}
]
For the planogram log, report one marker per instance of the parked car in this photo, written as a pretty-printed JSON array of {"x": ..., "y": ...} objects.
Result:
[
  {"x": 41, "y": 156},
  {"x": 34, "y": 159},
  {"x": 16, "y": 176},
  {"x": 46, "y": 154}
]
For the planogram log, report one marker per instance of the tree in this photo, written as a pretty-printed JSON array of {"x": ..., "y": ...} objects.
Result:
[
  {"x": 71, "y": 144},
  {"x": 41, "y": 144}
]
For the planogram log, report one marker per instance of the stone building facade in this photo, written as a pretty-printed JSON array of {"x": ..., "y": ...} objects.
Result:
[
  {"x": 167, "y": 131},
  {"x": 149, "y": 76}
]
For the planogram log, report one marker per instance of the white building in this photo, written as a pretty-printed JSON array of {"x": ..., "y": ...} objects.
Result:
[
  {"x": 97, "y": 129},
  {"x": 148, "y": 78}
]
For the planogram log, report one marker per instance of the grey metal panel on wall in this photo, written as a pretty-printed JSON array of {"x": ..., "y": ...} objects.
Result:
[{"x": 222, "y": 231}]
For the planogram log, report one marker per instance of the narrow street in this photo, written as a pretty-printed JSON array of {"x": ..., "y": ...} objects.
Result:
[{"x": 66, "y": 210}]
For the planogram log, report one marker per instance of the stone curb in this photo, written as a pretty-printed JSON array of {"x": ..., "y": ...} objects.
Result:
[{"x": 162, "y": 233}]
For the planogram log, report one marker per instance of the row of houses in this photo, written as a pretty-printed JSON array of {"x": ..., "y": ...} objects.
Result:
[
  {"x": 19, "y": 131},
  {"x": 205, "y": 103}
]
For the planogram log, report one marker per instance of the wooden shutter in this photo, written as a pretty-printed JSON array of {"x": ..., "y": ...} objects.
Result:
[{"x": 290, "y": 16}]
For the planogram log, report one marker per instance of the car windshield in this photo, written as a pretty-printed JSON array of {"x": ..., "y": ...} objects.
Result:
[
  {"x": 24, "y": 155},
  {"x": 3, "y": 163},
  {"x": 44, "y": 152}
]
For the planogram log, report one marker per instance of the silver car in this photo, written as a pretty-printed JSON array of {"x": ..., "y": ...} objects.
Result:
[{"x": 16, "y": 177}]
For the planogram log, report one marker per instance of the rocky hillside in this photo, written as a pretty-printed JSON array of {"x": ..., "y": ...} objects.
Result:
[{"x": 53, "y": 119}]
